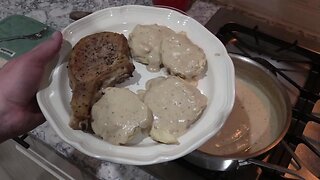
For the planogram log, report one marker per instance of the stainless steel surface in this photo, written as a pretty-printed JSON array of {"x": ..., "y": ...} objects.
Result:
[
  {"x": 33, "y": 36},
  {"x": 264, "y": 80},
  {"x": 212, "y": 162}
]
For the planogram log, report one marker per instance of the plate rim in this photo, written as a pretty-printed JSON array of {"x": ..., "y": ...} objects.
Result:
[{"x": 161, "y": 157}]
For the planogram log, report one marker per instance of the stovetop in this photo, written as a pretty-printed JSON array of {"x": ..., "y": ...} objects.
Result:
[{"x": 295, "y": 60}]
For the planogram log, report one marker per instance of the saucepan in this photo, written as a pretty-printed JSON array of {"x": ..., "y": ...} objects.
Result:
[{"x": 278, "y": 111}]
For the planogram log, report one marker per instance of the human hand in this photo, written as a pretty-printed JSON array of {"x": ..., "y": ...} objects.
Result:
[{"x": 19, "y": 82}]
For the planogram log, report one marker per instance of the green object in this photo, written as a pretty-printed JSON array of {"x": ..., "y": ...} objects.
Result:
[{"x": 18, "y": 25}]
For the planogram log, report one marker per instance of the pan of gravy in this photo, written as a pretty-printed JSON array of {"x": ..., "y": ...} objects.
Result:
[{"x": 259, "y": 120}]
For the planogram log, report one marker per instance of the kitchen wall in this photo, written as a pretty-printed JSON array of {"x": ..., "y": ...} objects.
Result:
[{"x": 302, "y": 16}]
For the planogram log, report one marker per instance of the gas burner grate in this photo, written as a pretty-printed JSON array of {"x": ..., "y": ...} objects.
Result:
[
  {"x": 248, "y": 42},
  {"x": 272, "y": 53}
]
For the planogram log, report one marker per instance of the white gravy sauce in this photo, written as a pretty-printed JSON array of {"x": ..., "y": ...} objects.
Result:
[
  {"x": 175, "y": 105},
  {"x": 249, "y": 127},
  {"x": 144, "y": 42},
  {"x": 156, "y": 45},
  {"x": 182, "y": 57},
  {"x": 120, "y": 116}
]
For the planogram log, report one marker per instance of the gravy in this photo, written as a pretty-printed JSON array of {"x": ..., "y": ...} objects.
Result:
[
  {"x": 182, "y": 57},
  {"x": 175, "y": 105},
  {"x": 158, "y": 46},
  {"x": 249, "y": 127},
  {"x": 120, "y": 116},
  {"x": 145, "y": 41}
]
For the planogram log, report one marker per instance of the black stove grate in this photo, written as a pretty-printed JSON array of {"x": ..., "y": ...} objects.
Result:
[{"x": 233, "y": 33}]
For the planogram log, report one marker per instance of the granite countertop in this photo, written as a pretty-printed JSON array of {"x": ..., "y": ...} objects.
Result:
[{"x": 56, "y": 14}]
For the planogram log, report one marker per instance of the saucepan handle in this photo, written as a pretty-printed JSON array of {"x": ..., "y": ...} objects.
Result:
[
  {"x": 274, "y": 167},
  {"x": 295, "y": 173}
]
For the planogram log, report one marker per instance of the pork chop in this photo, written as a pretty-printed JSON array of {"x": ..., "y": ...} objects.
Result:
[{"x": 96, "y": 61}]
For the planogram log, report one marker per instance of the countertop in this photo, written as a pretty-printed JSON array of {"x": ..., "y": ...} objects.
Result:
[{"x": 56, "y": 14}]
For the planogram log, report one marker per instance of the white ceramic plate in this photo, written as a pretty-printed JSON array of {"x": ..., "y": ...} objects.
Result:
[{"x": 217, "y": 85}]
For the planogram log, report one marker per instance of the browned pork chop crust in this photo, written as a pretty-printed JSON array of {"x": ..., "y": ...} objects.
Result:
[{"x": 101, "y": 59}]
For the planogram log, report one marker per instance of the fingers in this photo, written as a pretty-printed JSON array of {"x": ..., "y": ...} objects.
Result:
[
  {"x": 28, "y": 123},
  {"x": 19, "y": 121},
  {"x": 34, "y": 120},
  {"x": 38, "y": 56},
  {"x": 19, "y": 81}
]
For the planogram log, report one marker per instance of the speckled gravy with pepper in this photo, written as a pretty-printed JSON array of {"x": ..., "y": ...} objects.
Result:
[
  {"x": 120, "y": 117},
  {"x": 145, "y": 41},
  {"x": 156, "y": 45},
  {"x": 182, "y": 57},
  {"x": 175, "y": 105}
]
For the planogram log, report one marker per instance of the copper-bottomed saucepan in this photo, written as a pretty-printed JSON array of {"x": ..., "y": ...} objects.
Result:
[{"x": 268, "y": 83}]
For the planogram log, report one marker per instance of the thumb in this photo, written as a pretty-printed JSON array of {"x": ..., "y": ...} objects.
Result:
[
  {"x": 43, "y": 53},
  {"x": 21, "y": 77}
]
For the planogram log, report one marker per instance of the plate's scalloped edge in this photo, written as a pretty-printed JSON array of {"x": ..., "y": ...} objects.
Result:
[{"x": 156, "y": 157}]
